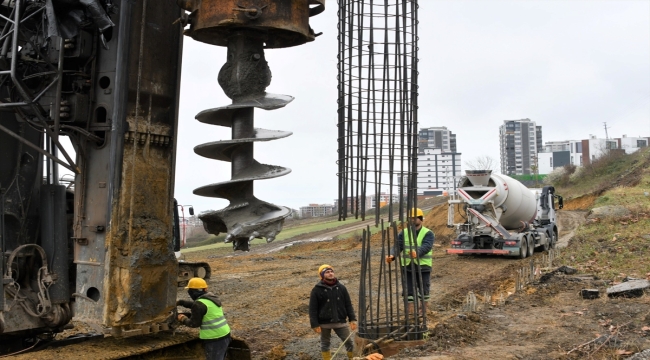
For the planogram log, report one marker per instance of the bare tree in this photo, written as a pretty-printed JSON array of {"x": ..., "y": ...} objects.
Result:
[{"x": 484, "y": 162}]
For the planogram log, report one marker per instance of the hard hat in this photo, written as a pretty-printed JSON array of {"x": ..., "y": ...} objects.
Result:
[
  {"x": 322, "y": 268},
  {"x": 197, "y": 283},
  {"x": 415, "y": 212}
]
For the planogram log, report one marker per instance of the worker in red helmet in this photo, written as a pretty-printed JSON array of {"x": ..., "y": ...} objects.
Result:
[
  {"x": 416, "y": 252},
  {"x": 207, "y": 314},
  {"x": 329, "y": 307}
]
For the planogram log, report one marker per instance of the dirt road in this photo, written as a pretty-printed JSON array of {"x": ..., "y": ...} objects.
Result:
[{"x": 568, "y": 222}]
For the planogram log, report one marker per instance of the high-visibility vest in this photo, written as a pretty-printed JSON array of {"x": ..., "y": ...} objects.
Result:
[
  {"x": 425, "y": 260},
  {"x": 213, "y": 324}
]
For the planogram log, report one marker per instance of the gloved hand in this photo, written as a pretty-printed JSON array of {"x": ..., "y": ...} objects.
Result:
[
  {"x": 390, "y": 259},
  {"x": 375, "y": 356},
  {"x": 178, "y": 302},
  {"x": 414, "y": 254},
  {"x": 181, "y": 317},
  {"x": 353, "y": 325},
  {"x": 316, "y": 329}
]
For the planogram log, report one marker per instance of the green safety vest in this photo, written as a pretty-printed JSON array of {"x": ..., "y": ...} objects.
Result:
[
  {"x": 425, "y": 260},
  {"x": 213, "y": 325}
]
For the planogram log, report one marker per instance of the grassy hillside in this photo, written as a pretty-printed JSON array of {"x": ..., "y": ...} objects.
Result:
[
  {"x": 612, "y": 171},
  {"x": 611, "y": 247},
  {"x": 212, "y": 242}
]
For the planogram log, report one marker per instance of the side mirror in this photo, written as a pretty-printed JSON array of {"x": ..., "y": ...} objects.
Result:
[
  {"x": 560, "y": 202},
  {"x": 191, "y": 211}
]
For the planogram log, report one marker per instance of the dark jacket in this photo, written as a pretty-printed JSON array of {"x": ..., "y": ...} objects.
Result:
[
  {"x": 330, "y": 305},
  {"x": 427, "y": 244},
  {"x": 198, "y": 309}
]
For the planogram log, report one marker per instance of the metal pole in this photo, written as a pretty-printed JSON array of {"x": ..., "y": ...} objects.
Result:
[
  {"x": 2, "y": 247},
  {"x": 56, "y": 112}
]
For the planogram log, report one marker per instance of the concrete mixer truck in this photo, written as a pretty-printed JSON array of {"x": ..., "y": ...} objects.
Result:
[{"x": 502, "y": 216}]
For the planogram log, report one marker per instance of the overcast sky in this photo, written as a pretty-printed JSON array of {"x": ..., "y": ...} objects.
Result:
[{"x": 569, "y": 66}]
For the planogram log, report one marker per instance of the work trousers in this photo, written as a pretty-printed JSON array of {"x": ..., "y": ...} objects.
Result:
[
  {"x": 342, "y": 332},
  {"x": 423, "y": 287},
  {"x": 216, "y": 349}
]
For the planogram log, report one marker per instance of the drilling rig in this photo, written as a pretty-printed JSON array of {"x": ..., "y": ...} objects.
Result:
[{"x": 99, "y": 245}]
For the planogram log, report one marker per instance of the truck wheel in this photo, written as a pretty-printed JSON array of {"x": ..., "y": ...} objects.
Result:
[
  {"x": 546, "y": 245},
  {"x": 523, "y": 248},
  {"x": 531, "y": 246},
  {"x": 553, "y": 239}
]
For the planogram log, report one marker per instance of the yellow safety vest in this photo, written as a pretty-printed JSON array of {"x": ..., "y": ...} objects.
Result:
[
  {"x": 427, "y": 259},
  {"x": 213, "y": 325}
]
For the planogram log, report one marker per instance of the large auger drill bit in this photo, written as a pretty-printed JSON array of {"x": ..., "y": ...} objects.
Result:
[{"x": 246, "y": 27}]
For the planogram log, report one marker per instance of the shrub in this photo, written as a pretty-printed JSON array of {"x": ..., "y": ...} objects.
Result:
[
  {"x": 569, "y": 169},
  {"x": 554, "y": 177}
]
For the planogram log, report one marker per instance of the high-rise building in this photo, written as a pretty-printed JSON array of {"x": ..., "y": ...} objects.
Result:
[
  {"x": 437, "y": 138},
  {"x": 520, "y": 141},
  {"x": 439, "y": 163}
]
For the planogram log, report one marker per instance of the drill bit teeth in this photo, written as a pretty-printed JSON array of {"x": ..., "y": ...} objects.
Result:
[{"x": 246, "y": 217}]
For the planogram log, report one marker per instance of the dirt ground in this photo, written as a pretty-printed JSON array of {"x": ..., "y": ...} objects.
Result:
[{"x": 266, "y": 294}]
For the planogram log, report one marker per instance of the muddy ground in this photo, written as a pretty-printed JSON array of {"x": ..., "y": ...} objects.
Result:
[{"x": 266, "y": 294}]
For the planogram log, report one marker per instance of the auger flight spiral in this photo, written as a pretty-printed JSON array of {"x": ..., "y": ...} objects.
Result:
[{"x": 246, "y": 28}]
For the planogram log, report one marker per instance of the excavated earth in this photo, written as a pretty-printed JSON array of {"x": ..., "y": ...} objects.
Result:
[{"x": 265, "y": 294}]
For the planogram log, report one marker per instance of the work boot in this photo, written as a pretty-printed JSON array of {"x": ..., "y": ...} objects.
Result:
[
  {"x": 350, "y": 355},
  {"x": 326, "y": 355}
]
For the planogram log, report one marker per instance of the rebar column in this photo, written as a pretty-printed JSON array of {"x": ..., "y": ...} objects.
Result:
[
  {"x": 377, "y": 116},
  {"x": 377, "y": 158}
]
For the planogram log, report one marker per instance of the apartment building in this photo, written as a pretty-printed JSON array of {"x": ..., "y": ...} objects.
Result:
[
  {"x": 580, "y": 152},
  {"x": 439, "y": 162},
  {"x": 632, "y": 144},
  {"x": 316, "y": 210},
  {"x": 558, "y": 154},
  {"x": 519, "y": 142},
  {"x": 437, "y": 138},
  {"x": 438, "y": 172}
]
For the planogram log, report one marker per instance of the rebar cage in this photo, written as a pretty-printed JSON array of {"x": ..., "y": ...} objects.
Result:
[
  {"x": 377, "y": 106},
  {"x": 377, "y": 157}
]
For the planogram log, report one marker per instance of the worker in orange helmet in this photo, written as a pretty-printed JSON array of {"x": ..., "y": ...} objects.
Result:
[
  {"x": 329, "y": 306},
  {"x": 207, "y": 314},
  {"x": 416, "y": 252}
]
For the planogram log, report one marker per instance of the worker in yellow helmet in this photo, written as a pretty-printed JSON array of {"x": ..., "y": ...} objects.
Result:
[
  {"x": 329, "y": 306},
  {"x": 416, "y": 252},
  {"x": 207, "y": 314}
]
